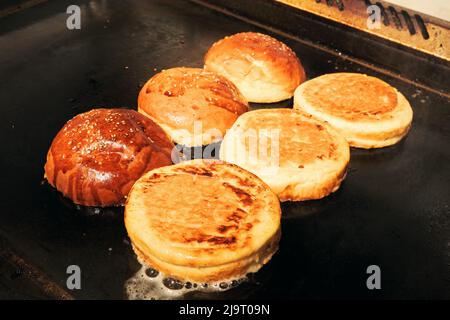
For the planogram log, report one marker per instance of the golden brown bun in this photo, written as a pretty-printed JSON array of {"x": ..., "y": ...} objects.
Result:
[
  {"x": 302, "y": 159},
  {"x": 98, "y": 155},
  {"x": 264, "y": 69},
  {"x": 178, "y": 98},
  {"x": 203, "y": 221},
  {"x": 367, "y": 111}
]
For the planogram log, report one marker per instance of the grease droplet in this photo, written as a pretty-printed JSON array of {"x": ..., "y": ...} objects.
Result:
[
  {"x": 173, "y": 284},
  {"x": 152, "y": 273}
]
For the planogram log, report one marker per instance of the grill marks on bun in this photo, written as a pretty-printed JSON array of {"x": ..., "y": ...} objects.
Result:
[{"x": 203, "y": 221}]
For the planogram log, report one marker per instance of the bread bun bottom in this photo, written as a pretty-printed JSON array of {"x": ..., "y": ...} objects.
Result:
[
  {"x": 365, "y": 132},
  {"x": 214, "y": 274},
  {"x": 203, "y": 221},
  {"x": 312, "y": 156}
]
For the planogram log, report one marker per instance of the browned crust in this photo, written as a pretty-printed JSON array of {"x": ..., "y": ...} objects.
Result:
[
  {"x": 220, "y": 222},
  {"x": 352, "y": 96},
  {"x": 98, "y": 155},
  {"x": 367, "y": 111},
  {"x": 284, "y": 65},
  {"x": 312, "y": 156},
  {"x": 177, "y": 97},
  {"x": 316, "y": 141}
]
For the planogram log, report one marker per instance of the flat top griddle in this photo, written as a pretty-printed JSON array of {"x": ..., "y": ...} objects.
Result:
[{"x": 392, "y": 210}]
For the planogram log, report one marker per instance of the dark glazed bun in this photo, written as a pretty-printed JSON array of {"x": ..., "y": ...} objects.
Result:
[{"x": 98, "y": 155}]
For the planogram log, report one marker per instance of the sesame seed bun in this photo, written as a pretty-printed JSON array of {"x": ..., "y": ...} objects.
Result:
[
  {"x": 98, "y": 155},
  {"x": 195, "y": 107},
  {"x": 264, "y": 69}
]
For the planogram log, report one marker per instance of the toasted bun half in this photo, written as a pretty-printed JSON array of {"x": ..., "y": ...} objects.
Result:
[
  {"x": 195, "y": 107},
  {"x": 367, "y": 111},
  {"x": 299, "y": 157},
  {"x": 98, "y": 155},
  {"x": 264, "y": 69},
  {"x": 203, "y": 221}
]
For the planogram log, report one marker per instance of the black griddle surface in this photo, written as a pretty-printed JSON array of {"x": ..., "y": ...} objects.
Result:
[{"x": 392, "y": 210}]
